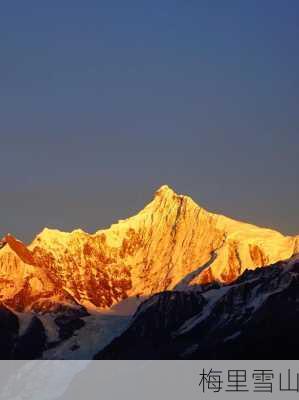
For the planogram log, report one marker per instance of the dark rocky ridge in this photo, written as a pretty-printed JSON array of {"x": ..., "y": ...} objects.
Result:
[
  {"x": 256, "y": 317},
  {"x": 33, "y": 341}
]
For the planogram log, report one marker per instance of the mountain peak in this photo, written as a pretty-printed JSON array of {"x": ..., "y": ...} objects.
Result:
[
  {"x": 165, "y": 190},
  {"x": 18, "y": 247},
  {"x": 167, "y": 193},
  {"x": 165, "y": 244}
]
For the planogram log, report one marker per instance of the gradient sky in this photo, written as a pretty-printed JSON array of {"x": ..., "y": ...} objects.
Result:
[{"x": 101, "y": 102}]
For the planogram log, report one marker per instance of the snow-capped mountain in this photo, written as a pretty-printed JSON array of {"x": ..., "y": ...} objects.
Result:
[
  {"x": 66, "y": 281},
  {"x": 150, "y": 252},
  {"x": 255, "y": 317}
]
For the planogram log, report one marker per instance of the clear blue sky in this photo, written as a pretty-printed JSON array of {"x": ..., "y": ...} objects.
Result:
[{"x": 101, "y": 102}]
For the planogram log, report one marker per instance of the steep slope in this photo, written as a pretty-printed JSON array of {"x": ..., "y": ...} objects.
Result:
[
  {"x": 241, "y": 320},
  {"x": 25, "y": 284},
  {"x": 170, "y": 239}
]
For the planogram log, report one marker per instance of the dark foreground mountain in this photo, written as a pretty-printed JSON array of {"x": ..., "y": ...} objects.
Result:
[
  {"x": 26, "y": 336},
  {"x": 256, "y": 317}
]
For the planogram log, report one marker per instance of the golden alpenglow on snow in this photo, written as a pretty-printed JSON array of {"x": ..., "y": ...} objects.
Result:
[{"x": 172, "y": 243}]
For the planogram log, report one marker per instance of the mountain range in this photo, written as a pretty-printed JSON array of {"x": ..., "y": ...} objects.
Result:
[{"x": 171, "y": 266}]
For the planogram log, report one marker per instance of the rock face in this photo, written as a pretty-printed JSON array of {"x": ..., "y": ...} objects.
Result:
[
  {"x": 26, "y": 284},
  {"x": 240, "y": 320},
  {"x": 154, "y": 251}
]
